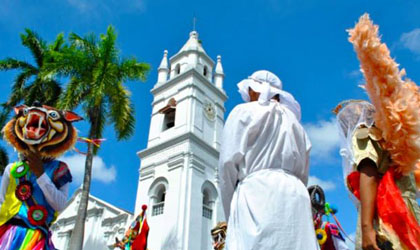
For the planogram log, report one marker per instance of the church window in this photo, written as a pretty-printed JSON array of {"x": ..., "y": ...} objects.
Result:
[
  {"x": 177, "y": 69},
  {"x": 160, "y": 201},
  {"x": 169, "y": 114},
  {"x": 205, "y": 71},
  {"x": 207, "y": 205},
  {"x": 157, "y": 195}
]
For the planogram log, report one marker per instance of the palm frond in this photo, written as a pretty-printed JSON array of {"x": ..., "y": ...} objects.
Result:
[
  {"x": 52, "y": 92},
  {"x": 12, "y": 63},
  {"x": 58, "y": 43},
  {"x": 35, "y": 44},
  {"x": 72, "y": 96},
  {"x": 18, "y": 88},
  {"x": 121, "y": 111},
  {"x": 133, "y": 70}
]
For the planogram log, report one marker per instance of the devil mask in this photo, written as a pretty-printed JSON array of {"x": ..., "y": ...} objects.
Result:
[{"x": 41, "y": 128}]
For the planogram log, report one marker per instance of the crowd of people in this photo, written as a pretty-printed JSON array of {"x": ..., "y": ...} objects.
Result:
[{"x": 263, "y": 167}]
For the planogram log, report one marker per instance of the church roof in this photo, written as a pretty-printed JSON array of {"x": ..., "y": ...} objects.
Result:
[{"x": 193, "y": 44}]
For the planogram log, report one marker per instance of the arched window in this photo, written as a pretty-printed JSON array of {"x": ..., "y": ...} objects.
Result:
[
  {"x": 205, "y": 71},
  {"x": 209, "y": 197},
  {"x": 177, "y": 69},
  {"x": 157, "y": 195},
  {"x": 161, "y": 194},
  {"x": 169, "y": 112}
]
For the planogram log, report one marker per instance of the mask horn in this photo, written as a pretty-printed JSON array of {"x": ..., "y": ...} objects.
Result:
[
  {"x": 71, "y": 116},
  {"x": 17, "y": 109}
]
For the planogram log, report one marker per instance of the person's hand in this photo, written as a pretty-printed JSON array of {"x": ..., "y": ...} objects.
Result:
[
  {"x": 35, "y": 163},
  {"x": 369, "y": 239}
]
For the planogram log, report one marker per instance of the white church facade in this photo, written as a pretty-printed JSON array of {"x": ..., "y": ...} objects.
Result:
[{"x": 178, "y": 172}]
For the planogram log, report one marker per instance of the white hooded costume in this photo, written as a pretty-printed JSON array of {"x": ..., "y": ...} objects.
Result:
[{"x": 263, "y": 171}]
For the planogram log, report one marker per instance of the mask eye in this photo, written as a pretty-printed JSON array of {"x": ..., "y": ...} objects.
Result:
[
  {"x": 25, "y": 111},
  {"x": 53, "y": 115}
]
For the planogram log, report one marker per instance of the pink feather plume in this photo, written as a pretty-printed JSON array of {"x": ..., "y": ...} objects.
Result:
[{"x": 396, "y": 98}]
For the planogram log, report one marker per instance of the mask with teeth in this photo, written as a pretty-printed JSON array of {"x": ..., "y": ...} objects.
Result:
[{"x": 43, "y": 128}]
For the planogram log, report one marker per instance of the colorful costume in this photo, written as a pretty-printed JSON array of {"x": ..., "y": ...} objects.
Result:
[
  {"x": 263, "y": 169},
  {"x": 135, "y": 237},
  {"x": 396, "y": 195},
  {"x": 29, "y": 204},
  {"x": 328, "y": 234},
  {"x": 394, "y": 129},
  {"x": 218, "y": 233}
]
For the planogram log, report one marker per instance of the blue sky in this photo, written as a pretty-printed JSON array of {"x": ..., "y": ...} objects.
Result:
[{"x": 303, "y": 41}]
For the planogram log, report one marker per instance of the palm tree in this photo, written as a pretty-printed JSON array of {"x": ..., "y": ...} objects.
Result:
[
  {"x": 32, "y": 83},
  {"x": 97, "y": 74}
]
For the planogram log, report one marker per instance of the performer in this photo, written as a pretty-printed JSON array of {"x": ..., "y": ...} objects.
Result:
[
  {"x": 35, "y": 190},
  {"x": 380, "y": 146},
  {"x": 263, "y": 170},
  {"x": 218, "y": 234},
  {"x": 365, "y": 163},
  {"x": 135, "y": 237}
]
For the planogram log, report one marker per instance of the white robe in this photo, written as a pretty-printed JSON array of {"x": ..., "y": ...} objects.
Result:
[{"x": 263, "y": 171}]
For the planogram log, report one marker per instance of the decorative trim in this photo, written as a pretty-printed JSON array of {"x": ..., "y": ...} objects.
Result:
[
  {"x": 144, "y": 175},
  {"x": 186, "y": 52},
  {"x": 183, "y": 137},
  {"x": 197, "y": 165},
  {"x": 190, "y": 72},
  {"x": 115, "y": 220},
  {"x": 176, "y": 161}
]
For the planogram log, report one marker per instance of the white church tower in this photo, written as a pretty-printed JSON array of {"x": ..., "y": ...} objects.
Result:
[{"x": 178, "y": 171}]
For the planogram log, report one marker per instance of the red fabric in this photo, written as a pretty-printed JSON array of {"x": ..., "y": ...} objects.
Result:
[
  {"x": 329, "y": 244},
  {"x": 140, "y": 243},
  {"x": 353, "y": 183},
  {"x": 394, "y": 213},
  {"x": 4, "y": 229}
]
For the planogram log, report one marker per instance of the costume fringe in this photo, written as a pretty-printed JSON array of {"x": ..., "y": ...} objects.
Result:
[{"x": 396, "y": 99}]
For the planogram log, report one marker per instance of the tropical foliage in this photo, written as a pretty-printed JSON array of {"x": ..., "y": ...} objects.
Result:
[
  {"x": 32, "y": 83},
  {"x": 97, "y": 73}
]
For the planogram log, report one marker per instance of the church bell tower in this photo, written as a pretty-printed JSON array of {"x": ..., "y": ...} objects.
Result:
[{"x": 178, "y": 170}]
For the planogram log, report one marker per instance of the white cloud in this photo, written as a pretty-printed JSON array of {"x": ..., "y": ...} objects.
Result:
[
  {"x": 324, "y": 138},
  {"x": 325, "y": 185},
  {"x": 100, "y": 171},
  {"x": 355, "y": 74},
  {"x": 411, "y": 41}
]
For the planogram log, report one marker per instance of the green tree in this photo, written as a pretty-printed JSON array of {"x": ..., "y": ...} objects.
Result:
[
  {"x": 32, "y": 82},
  {"x": 97, "y": 73}
]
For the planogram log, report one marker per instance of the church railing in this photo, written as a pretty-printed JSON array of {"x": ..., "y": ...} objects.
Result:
[
  {"x": 207, "y": 212},
  {"x": 158, "y": 208}
]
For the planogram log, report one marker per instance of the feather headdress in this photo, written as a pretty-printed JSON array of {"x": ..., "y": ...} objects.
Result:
[{"x": 396, "y": 98}]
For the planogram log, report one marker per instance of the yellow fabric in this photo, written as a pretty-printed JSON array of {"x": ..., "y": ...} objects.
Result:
[{"x": 11, "y": 204}]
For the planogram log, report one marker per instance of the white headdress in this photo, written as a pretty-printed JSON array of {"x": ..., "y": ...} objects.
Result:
[
  {"x": 351, "y": 115},
  {"x": 268, "y": 85}
]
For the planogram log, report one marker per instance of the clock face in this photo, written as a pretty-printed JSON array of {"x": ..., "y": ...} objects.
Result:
[{"x": 209, "y": 110}]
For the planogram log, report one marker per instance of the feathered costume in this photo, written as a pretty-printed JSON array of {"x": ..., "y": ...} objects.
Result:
[
  {"x": 396, "y": 129},
  {"x": 30, "y": 204},
  {"x": 397, "y": 100}
]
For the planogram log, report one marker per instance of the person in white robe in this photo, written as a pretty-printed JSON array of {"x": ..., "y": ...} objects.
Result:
[{"x": 263, "y": 170}]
